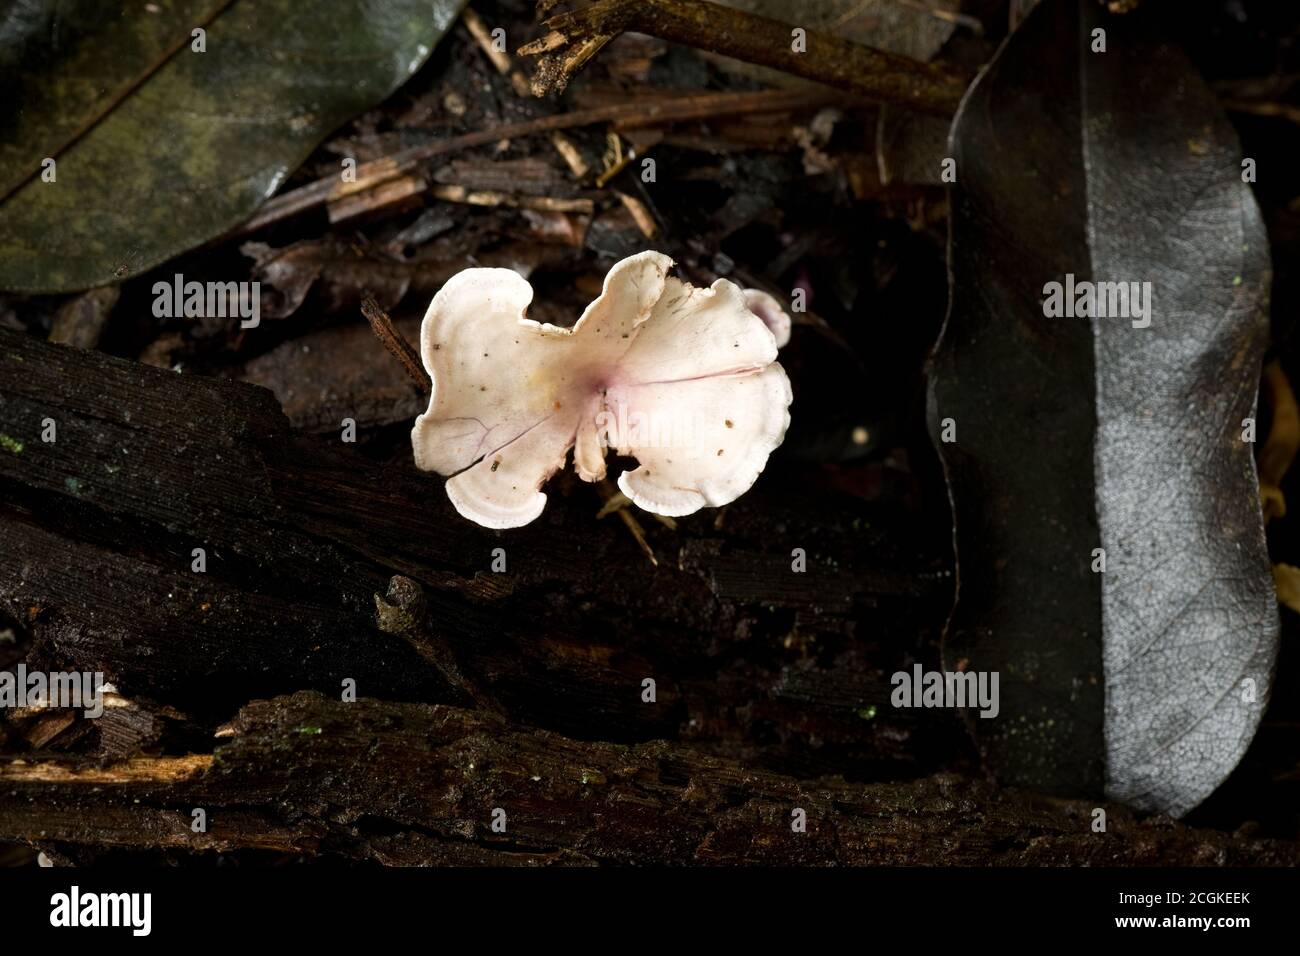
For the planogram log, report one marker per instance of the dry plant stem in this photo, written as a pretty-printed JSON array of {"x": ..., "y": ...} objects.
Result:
[
  {"x": 827, "y": 59},
  {"x": 499, "y": 59},
  {"x": 640, "y": 214},
  {"x": 638, "y": 533},
  {"x": 492, "y": 197},
  {"x": 392, "y": 192},
  {"x": 1281, "y": 110},
  {"x": 554, "y": 73},
  {"x": 570, "y": 154},
  {"x": 395, "y": 192},
  {"x": 393, "y": 340},
  {"x": 1283, "y": 440},
  {"x": 611, "y": 496},
  {"x": 634, "y": 114}
]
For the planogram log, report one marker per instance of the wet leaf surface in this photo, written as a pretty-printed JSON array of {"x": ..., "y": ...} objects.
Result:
[
  {"x": 60, "y": 80},
  {"x": 1075, "y": 434},
  {"x": 197, "y": 146}
]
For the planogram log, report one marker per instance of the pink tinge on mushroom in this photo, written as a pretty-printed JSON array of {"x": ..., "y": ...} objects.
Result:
[
  {"x": 769, "y": 310},
  {"x": 681, "y": 378}
]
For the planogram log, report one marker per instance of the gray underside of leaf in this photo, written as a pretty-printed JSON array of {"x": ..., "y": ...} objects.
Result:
[
  {"x": 1076, "y": 434},
  {"x": 1189, "y": 610}
]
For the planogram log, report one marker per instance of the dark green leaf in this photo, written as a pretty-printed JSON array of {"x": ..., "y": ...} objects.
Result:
[
  {"x": 66, "y": 63},
  {"x": 205, "y": 139}
]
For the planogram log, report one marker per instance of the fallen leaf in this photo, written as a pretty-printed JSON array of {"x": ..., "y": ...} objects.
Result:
[
  {"x": 80, "y": 321},
  {"x": 343, "y": 372},
  {"x": 917, "y": 31},
  {"x": 59, "y": 80},
  {"x": 1145, "y": 681},
  {"x": 1283, "y": 440},
  {"x": 205, "y": 139},
  {"x": 1286, "y": 578}
]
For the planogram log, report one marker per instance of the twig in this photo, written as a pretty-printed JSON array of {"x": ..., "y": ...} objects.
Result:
[
  {"x": 389, "y": 193},
  {"x": 1281, "y": 110},
  {"x": 669, "y": 109},
  {"x": 825, "y": 58},
  {"x": 640, "y": 214},
  {"x": 615, "y": 159},
  {"x": 499, "y": 59},
  {"x": 519, "y": 83},
  {"x": 570, "y": 154},
  {"x": 395, "y": 342},
  {"x": 399, "y": 191},
  {"x": 403, "y": 611},
  {"x": 617, "y": 503},
  {"x": 491, "y": 197}
]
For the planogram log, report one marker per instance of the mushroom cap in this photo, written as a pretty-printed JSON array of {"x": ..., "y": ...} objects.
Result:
[
  {"x": 682, "y": 378},
  {"x": 767, "y": 308}
]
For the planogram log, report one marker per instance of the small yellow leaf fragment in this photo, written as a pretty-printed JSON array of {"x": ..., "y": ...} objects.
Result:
[{"x": 1286, "y": 578}]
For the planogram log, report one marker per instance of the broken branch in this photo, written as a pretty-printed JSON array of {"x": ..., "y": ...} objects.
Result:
[
  {"x": 575, "y": 37},
  {"x": 416, "y": 784}
]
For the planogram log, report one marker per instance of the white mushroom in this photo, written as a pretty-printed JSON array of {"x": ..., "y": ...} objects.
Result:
[{"x": 683, "y": 379}]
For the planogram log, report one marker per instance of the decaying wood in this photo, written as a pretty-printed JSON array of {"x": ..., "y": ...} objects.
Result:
[
  {"x": 418, "y": 784},
  {"x": 325, "y": 567},
  {"x": 403, "y": 611},
  {"x": 886, "y": 77},
  {"x": 302, "y": 533}
]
